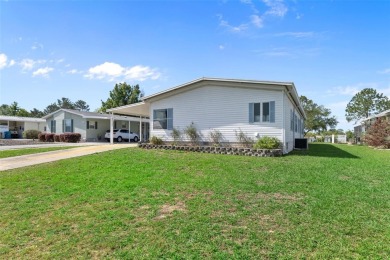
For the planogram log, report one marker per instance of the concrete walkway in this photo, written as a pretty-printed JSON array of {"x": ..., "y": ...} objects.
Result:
[{"x": 38, "y": 158}]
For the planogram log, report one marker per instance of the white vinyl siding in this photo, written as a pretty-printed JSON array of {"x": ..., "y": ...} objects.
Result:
[{"x": 224, "y": 109}]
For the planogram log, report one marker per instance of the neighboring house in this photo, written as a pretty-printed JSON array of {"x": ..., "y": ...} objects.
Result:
[
  {"x": 258, "y": 108},
  {"x": 92, "y": 126},
  {"x": 364, "y": 125},
  {"x": 17, "y": 125}
]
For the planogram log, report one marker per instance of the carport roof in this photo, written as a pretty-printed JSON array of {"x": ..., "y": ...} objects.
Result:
[
  {"x": 22, "y": 119},
  {"x": 137, "y": 109}
]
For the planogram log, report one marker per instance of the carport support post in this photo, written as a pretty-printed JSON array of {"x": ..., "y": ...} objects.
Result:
[
  {"x": 112, "y": 129},
  {"x": 140, "y": 129},
  {"x": 129, "y": 130}
]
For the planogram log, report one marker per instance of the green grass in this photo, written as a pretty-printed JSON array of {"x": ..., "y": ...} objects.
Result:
[
  {"x": 25, "y": 151},
  {"x": 330, "y": 202}
]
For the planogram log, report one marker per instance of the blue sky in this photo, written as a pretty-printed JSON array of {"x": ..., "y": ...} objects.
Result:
[{"x": 80, "y": 49}]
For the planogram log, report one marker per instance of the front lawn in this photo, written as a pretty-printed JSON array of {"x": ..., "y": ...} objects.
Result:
[
  {"x": 25, "y": 151},
  {"x": 330, "y": 202}
]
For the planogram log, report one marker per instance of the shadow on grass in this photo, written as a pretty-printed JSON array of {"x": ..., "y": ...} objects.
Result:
[{"x": 324, "y": 150}]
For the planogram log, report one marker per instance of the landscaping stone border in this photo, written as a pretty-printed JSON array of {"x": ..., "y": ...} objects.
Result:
[{"x": 218, "y": 150}]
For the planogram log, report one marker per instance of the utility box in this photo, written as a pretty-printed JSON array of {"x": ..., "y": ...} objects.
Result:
[{"x": 301, "y": 143}]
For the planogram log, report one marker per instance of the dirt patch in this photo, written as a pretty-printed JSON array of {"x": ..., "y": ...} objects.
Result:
[
  {"x": 167, "y": 210},
  {"x": 271, "y": 196},
  {"x": 345, "y": 178}
]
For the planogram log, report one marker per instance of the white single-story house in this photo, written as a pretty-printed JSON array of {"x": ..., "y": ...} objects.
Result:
[
  {"x": 258, "y": 108},
  {"x": 364, "y": 124},
  {"x": 17, "y": 125},
  {"x": 92, "y": 126}
]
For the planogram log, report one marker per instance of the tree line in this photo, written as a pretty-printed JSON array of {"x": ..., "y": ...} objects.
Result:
[
  {"x": 122, "y": 94},
  {"x": 319, "y": 118}
]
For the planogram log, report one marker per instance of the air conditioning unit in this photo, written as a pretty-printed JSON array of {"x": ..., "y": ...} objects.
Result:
[{"x": 301, "y": 143}]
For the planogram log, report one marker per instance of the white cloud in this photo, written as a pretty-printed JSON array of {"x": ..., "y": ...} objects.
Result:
[
  {"x": 296, "y": 34},
  {"x": 36, "y": 46},
  {"x": 350, "y": 90},
  {"x": 73, "y": 71},
  {"x": 235, "y": 29},
  {"x": 113, "y": 71},
  {"x": 28, "y": 64},
  {"x": 44, "y": 72},
  {"x": 385, "y": 71},
  {"x": 11, "y": 63},
  {"x": 3, "y": 60},
  {"x": 276, "y": 8},
  {"x": 221, "y": 47},
  {"x": 256, "y": 21}
]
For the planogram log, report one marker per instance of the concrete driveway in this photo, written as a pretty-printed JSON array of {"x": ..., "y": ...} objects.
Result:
[{"x": 38, "y": 158}]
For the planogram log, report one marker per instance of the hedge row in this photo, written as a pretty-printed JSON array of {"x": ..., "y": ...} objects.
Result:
[
  {"x": 218, "y": 150},
  {"x": 65, "y": 137}
]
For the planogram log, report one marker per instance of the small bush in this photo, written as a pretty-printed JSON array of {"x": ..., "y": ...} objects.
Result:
[
  {"x": 49, "y": 137},
  {"x": 216, "y": 137},
  {"x": 176, "y": 135},
  {"x": 31, "y": 134},
  {"x": 70, "y": 137},
  {"x": 42, "y": 137},
  {"x": 156, "y": 141},
  {"x": 267, "y": 142},
  {"x": 192, "y": 133},
  {"x": 57, "y": 138},
  {"x": 243, "y": 139}
]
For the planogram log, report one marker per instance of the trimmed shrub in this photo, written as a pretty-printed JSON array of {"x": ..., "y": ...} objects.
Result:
[
  {"x": 42, "y": 137},
  {"x": 267, "y": 142},
  {"x": 70, "y": 137},
  {"x": 192, "y": 133},
  {"x": 156, "y": 141},
  {"x": 243, "y": 139},
  {"x": 57, "y": 138},
  {"x": 176, "y": 135},
  {"x": 31, "y": 134},
  {"x": 49, "y": 137},
  {"x": 216, "y": 137}
]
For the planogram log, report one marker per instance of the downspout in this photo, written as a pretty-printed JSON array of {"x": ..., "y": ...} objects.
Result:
[
  {"x": 112, "y": 128},
  {"x": 140, "y": 129}
]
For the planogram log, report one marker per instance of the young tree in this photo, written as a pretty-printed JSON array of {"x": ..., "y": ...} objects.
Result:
[
  {"x": 378, "y": 134},
  {"x": 318, "y": 117},
  {"x": 65, "y": 103},
  {"x": 36, "y": 113},
  {"x": 81, "y": 105},
  {"x": 366, "y": 102},
  {"x": 51, "y": 108},
  {"x": 122, "y": 94}
]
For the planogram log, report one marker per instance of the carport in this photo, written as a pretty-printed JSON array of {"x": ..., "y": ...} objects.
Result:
[
  {"x": 140, "y": 110},
  {"x": 17, "y": 125}
]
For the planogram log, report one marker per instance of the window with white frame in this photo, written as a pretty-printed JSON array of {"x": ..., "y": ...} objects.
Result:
[
  {"x": 163, "y": 118},
  {"x": 92, "y": 125},
  {"x": 267, "y": 115}
]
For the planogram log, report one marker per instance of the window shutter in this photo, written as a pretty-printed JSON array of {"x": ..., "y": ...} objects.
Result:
[
  {"x": 63, "y": 125},
  {"x": 169, "y": 118},
  {"x": 71, "y": 125},
  {"x": 272, "y": 112},
  {"x": 251, "y": 109},
  {"x": 55, "y": 126},
  {"x": 154, "y": 114},
  {"x": 95, "y": 124},
  {"x": 87, "y": 124}
]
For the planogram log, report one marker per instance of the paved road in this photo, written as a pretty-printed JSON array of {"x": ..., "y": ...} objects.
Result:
[{"x": 38, "y": 158}]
